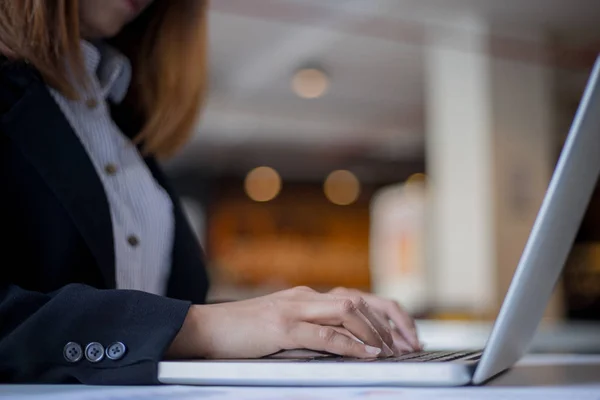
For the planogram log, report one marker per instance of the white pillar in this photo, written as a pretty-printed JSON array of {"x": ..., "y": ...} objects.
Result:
[
  {"x": 489, "y": 159},
  {"x": 458, "y": 153}
]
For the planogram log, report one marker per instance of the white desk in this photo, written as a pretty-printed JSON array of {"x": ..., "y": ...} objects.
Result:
[{"x": 547, "y": 377}]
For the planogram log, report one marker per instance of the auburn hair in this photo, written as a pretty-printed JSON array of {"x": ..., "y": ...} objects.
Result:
[{"x": 166, "y": 44}]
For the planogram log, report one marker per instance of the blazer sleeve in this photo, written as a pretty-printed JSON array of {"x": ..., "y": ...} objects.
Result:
[{"x": 35, "y": 329}]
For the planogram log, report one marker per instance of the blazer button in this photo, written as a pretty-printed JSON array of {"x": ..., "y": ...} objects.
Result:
[
  {"x": 116, "y": 351},
  {"x": 72, "y": 352},
  {"x": 94, "y": 352},
  {"x": 133, "y": 240},
  {"x": 110, "y": 169}
]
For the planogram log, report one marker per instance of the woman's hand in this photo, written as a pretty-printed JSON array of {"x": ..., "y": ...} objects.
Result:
[
  {"x": 390, "y": 313},
  {"x": 298, "y": 318}
]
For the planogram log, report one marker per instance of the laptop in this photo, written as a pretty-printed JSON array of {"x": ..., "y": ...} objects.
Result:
[{"x": 543, "y": 258}]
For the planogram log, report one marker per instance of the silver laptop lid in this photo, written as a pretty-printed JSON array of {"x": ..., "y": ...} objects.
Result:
[{"x": 550, "y": 240}]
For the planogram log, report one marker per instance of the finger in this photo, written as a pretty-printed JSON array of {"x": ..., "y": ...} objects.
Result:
[
  {"x": 403, "y": 322},
  {"x": 344, "y": 313},
  {"x": 401, "y": 346},
  {"x": 376, "y": 320},
  {"x": 346, "y": 332},
  {"x": 383, "y": 321},
  {"x": 379, "y": 323},
  {"x": 325, "y": 338},
  {"x": 392, "y": 310}
]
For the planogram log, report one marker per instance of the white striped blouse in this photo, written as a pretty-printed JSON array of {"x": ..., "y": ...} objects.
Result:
[{"x": 141, "y": 211}]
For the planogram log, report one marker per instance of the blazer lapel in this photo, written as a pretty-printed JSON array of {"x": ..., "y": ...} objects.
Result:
[{"x": 36, "y": 124}]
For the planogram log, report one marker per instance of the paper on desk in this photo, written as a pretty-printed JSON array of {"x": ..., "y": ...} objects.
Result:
[{"x": 229, "y": 393}]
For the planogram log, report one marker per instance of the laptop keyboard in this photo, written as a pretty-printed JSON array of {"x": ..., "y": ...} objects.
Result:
[{"x": 420, "y": 356}]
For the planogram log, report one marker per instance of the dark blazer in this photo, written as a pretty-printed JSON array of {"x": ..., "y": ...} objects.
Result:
[{"x": 57, "y": 274}]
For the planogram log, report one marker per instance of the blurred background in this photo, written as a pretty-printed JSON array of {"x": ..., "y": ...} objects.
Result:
[{"x": 395, "y": 146}]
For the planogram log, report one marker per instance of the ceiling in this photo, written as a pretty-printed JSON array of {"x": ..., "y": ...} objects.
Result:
[{"x": 372, "y": 117}]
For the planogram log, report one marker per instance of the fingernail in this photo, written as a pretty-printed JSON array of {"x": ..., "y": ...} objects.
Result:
[
  {"x": 372, "y": 350},
  {"x": 387, "y": 350}
]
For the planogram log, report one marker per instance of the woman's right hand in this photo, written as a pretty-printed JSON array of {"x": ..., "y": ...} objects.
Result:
[{"x": 298, "y": 318}]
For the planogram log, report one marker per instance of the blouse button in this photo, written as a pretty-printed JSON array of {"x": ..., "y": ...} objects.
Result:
[
  {"x": 110, "y": 169},
  {"x": 133, "y": 240},
  {"x": 91, "y": 103}
]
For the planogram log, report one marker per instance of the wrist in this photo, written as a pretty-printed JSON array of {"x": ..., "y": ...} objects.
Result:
[{"x": 187, "y": 343}]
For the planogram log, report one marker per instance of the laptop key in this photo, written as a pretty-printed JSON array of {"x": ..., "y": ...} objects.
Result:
[{"x": 420, "y": 356}]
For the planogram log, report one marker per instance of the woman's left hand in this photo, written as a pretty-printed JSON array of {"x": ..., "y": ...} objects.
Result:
[{"x": 402, "y": 326}]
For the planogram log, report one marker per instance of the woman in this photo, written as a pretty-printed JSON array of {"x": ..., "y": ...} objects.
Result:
[{"x": 102, "y": 276}]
